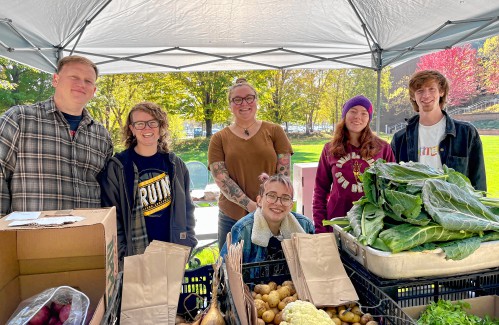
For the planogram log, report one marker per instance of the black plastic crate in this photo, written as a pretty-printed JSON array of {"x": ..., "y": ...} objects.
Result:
[
  {"x": 195, "y": 293},
  {"x": 253, "y": 274},
  {"x": 424, "y": 290},
  {"x": 371, "y": 298},
  {"x": 113, "y": 310}
]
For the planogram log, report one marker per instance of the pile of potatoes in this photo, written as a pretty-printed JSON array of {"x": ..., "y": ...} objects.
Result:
[
  {"x": 270, "y": 299},
  {"x": 349, "y": 314}
]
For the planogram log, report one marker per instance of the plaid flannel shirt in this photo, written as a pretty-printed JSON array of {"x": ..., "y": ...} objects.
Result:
[{"x": 42, "y": 167}]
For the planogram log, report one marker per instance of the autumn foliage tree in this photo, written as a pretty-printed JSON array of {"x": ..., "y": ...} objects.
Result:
[
  {"x": 459, "y": 65},
  {"x": 489, "y": 62}
]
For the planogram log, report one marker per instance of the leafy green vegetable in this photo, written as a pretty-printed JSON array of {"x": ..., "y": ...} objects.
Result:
[
  {"x": 445, "y": 312},
  {"x": 406, "y": 236},
  {"x": 454, "y": 209},
  {"x": 411, "y": 206}
]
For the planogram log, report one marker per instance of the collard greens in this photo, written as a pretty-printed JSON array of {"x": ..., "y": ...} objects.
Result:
[{"x": 411, "y": 206}]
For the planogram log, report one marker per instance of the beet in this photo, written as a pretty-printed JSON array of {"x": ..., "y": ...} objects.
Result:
[
  {"x": 56, "y": 307},
  {"x": 54, "y": 320},
  {"x": 64, "y": 313},
  {"x": 41, "y": 317}
]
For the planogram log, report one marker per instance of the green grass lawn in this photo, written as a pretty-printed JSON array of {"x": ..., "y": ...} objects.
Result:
[{"x": 308, "y": 149}]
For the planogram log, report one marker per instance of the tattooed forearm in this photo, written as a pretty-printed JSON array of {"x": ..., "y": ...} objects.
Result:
[
  {"x": 227, "y": 186},
  {"x": 283, "y": 164}
]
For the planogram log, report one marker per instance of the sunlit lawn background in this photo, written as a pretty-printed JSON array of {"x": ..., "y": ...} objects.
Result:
[{"x": 308, "y": 149}]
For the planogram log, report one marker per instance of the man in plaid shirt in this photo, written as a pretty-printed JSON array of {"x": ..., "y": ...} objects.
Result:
[{"x": 53, "y": 152}]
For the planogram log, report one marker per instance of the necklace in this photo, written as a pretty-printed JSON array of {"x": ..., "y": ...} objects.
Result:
[{"x": 245, "y": 130}]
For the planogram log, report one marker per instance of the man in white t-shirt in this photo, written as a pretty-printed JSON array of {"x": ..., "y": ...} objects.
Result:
[{"x": 434, "y": 138}]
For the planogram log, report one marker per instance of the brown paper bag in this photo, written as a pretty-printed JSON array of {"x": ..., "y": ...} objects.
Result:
[
  {"x": 325, "y": 276},
  {"x": 151, "y": 284},
  {"x": 295, "y": 269},
  {"x": 233, "y": 266}
]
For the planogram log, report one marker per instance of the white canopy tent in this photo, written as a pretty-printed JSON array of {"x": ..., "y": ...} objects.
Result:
[{"x": 125, "y": 36}]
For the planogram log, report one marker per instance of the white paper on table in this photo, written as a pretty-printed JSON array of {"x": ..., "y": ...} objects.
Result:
[
  {"x": 23, "y": 215},
  {"x": 48, "y": 221}
]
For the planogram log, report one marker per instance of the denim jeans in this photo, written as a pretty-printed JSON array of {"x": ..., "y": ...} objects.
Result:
[{"x": 225, "y": 224}]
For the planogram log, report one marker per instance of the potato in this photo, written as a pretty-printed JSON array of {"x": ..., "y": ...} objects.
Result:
[
  {"x": 291, "y": 286},
  {"x": 258, "y": 296},
  {"x": 268, "y": 316},
  {"x": 330, "y": 313},
  {"x": 347, "y": 316},
  {"x": 336, "y": 321},
  {"x": 273, "y": 300},
  {"x": 275, "y": 310},
  {"x": 284, "y": 292},
  {"x": 261, "y": 307},
  {"x": 272, "y": 285},
  {"x": 260, "y": 321},
  {"x": 356, "y": 324},
  {"x": 287, "y": 300},
  {"x": 372, "y": 322},
  {"x": 265, "y": 298},
  {"x": 278, "y": 318},
  {"x": 262, "y": 289},
  {"x": 364, "y": 319},
  {"x": 253, "y": 294},
  {"x": 281, "y": 305},
  {"x": 356, "y": 310}
]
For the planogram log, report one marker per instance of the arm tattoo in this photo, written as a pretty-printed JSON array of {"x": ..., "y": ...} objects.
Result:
[
  {"x": 227, "y": 186},
  {"x": 283, "y": 164}
]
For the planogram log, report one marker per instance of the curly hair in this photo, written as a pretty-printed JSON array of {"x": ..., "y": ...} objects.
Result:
[
  {"x": 420, "y": 78},
  {"x": 370, "y": 143},
  {"x": 266, "y": 179},
  {"x": 155, "y": 111}
]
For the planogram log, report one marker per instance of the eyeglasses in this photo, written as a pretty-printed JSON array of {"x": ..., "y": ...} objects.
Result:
[
  {"x": 286, "y": 200},
  {"x": 239, "y": 100},
  {"x": 140, "y": 125}
]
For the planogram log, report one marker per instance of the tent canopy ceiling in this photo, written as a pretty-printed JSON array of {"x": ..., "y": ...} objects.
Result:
[{"x": 125, "y": 36}]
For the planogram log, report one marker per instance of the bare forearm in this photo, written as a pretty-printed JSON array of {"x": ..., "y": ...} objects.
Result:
[
  {"x": 283, "y": 164},
  {"x": 229, "y": 188}
]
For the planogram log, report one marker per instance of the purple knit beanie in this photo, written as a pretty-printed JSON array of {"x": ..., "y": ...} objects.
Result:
[{"x": 358, "y": 100}]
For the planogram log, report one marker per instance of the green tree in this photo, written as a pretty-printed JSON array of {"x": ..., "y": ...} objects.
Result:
[
  {"x": 278, "y": 96},
  {"x": 206, "y": 96},
  {"x": 20, "y": 84}
]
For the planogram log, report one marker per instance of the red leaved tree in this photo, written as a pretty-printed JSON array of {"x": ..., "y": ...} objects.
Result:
[{"x": 460, "y": 66}]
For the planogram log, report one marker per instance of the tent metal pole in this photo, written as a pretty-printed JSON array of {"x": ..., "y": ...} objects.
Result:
[{"x": 378, "y": 103}]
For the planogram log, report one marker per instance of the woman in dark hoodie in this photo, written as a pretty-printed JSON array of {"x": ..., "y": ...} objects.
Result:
[{"x": 148, "y": 185}]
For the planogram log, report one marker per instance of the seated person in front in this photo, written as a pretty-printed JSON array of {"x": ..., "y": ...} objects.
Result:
[{"x": 273, "y": 221}]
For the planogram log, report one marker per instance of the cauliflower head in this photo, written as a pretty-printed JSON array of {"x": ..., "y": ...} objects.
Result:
[{"x": 304, "y": 313}]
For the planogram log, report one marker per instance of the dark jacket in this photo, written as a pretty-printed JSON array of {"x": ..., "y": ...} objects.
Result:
[
  {"x": 118, "y": 190},
  {"x": 461, "y": 148}
]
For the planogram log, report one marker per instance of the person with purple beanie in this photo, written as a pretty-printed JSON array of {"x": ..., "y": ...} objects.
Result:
[{"x": 352, "y": 149}]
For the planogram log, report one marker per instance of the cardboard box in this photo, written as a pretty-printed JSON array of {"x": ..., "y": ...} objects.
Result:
[
  {"x": 480, "y": 306},
  {"x": 82, "y": 255}
]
